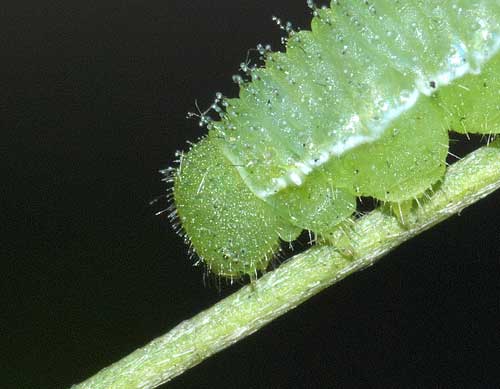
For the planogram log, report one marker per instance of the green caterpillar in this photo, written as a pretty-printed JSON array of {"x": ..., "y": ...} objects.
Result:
[{"x": 361, "y": 105}]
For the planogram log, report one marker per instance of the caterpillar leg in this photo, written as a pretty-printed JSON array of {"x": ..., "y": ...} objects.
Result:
[
  {"x": 402, "y": 211},
  {"x": 341, "y": 239}
]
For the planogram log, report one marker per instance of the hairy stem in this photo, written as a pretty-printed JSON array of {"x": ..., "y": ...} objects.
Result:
[{"x": 279, "y": 291}]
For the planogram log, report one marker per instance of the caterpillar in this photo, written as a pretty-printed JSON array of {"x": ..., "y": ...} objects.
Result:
[{"x": 359, "y": 105}]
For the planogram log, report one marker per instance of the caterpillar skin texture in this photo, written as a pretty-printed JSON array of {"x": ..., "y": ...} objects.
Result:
[{"x": 361, "y": 105}]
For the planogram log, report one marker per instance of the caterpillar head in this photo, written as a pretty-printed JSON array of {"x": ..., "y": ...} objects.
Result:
[{"x": 234, "y": 232}]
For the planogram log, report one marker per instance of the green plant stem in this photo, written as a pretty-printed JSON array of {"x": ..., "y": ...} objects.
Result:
[{"x": 295, "y": 281}]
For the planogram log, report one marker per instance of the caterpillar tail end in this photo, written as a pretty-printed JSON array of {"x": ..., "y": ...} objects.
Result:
[{"x": 233, "y": 232}]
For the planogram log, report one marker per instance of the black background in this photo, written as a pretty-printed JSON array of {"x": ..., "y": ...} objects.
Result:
[{"x": 93, "y": 99}]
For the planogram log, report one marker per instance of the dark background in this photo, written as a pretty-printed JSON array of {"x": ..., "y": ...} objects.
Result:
[{"x": 93, "y": 99}]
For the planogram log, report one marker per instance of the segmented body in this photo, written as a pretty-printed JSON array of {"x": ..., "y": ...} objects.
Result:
[
  {"x": 342, "y": 84},
  {"x": 360, "y": 105}
]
